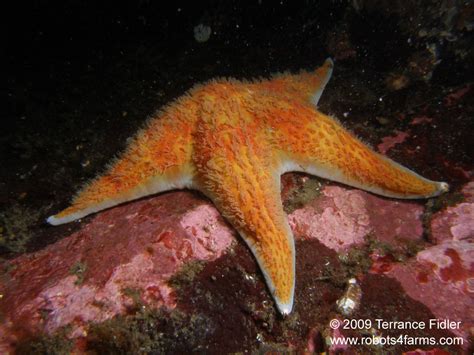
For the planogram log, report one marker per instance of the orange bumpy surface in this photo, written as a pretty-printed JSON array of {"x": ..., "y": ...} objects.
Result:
[{"x": 232, "y": 140}]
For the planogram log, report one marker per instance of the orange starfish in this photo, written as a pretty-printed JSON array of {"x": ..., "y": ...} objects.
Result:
[{"x": 232, "y": 140}]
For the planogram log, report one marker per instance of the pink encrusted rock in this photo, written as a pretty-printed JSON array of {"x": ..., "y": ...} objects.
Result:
[
  {"x": 455, "y": 222},
  {"x": 136, "y": 247},
  {"x": 452, "y": 262},
  {"x": 338, "y": 218},
  {"x": 442, "y": 276},
  {"x": 445, "y": 299},
  {"x": 341, "y": 217}
]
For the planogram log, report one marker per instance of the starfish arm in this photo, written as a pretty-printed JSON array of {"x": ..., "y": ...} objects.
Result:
[
  {"x": 251, "y": 204},
  {"x": 305, "y": 86},
  {"x": 319, "y": 145},
  {"x": 236, "y": 170},
  {"x": 318, "y": 80},
  {"x": 157, "y": 160}
]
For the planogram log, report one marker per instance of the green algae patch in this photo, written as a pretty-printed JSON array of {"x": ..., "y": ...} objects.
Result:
[
  {"x": 300, "y": 195},
  {"x": 156, "y": 331},
  {"x": 57, "y": 344},
  {"x": 357, "y": 261},
  {"x": 78, "y": 269},
  {"x": 434, "y": 205},
  {"x": 187, "y": 274},
  {"x": 136, "y": 333},
  {"x": 439, "y": 203},
  {"x": 15, "y": 227},
  {"x": 134, "y": 294},
  {"x": 147, "y": 331}
]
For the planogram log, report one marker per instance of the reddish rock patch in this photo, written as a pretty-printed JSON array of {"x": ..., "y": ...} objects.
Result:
[
  {"x": 391, "y": 141},
  {"x": 90, "y": 275},
  {"x": 124, "y": 258},
  {"x": 342, "y": 217},
  {"x": 383, "y": 298},
  {"x": 456, "y": 222}
]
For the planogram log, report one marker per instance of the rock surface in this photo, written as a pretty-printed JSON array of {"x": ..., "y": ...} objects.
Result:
[
  {"x": 442, "y": 275},
  {"x": 343, "y": 217},
  {"x": 94, "y": 274},
  {"x": 131, "y": 252}
]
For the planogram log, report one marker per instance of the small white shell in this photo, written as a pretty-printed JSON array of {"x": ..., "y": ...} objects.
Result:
[{"x": 350, "y": 301}]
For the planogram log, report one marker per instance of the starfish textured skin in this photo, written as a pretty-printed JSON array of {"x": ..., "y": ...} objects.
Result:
[{"x": 232, "y": 140}]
